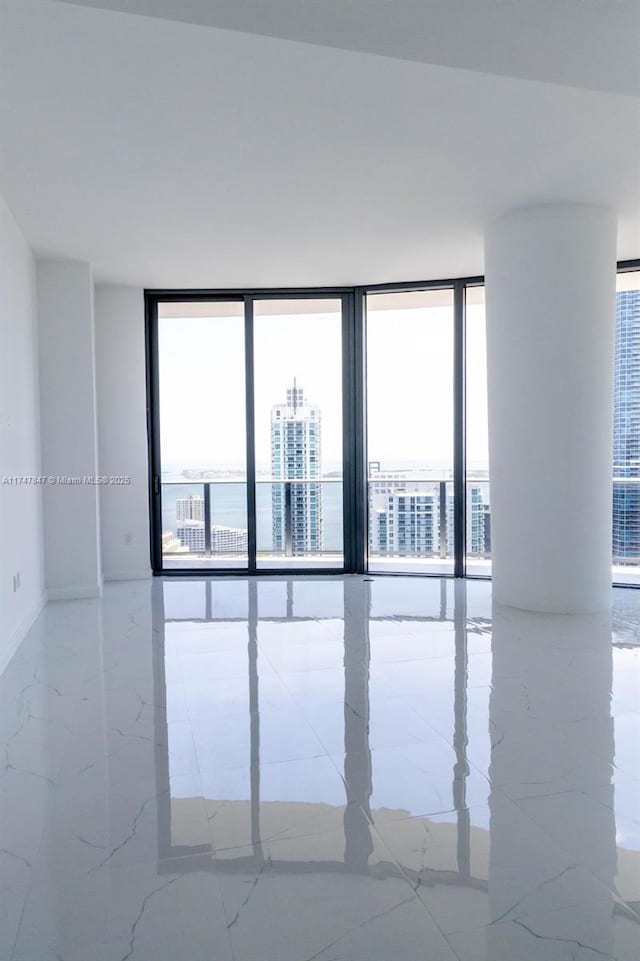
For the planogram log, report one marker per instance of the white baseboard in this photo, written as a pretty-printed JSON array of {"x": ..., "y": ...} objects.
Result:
[
  {"x": 21, "y": 631},
  {"x": 73, "y": 593},
  {"x": 127, "y": 575}
]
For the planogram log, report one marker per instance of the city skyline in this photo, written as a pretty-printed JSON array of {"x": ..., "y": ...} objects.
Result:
[
  {"x": 393, "y": 395},
  {"x": 296, "y": 453}
]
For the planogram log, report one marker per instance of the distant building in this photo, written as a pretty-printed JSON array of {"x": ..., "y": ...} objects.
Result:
[
  {"x": 228, "y": 540},
  {"x": 478, "y": 521},
  {"x": 296, "y": 454},
  {"x": 191, "y": 535},
  {"x": 190, "y": 508},
  {"x": 404, "y": 523},
  {"x": 626, "y": 430},
  {"x": 410, "y": 517}
]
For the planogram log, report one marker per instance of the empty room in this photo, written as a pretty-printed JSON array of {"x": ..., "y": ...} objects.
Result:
[{"x": 319, "y": 480}]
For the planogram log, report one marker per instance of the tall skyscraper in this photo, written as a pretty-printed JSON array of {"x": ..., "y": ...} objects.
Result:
[
  {"x": 190, "y": 508},
  {"x": 296, "y": 428},
  {"x": 626, "y": 430}
]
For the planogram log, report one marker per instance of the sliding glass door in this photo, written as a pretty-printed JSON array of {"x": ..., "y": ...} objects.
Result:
[
  {"x": 410, "y": 431},
  {"x": 298, "y": 433},
  {"x": 202, "y": 485},
  {"x": 247, "y": 439}
]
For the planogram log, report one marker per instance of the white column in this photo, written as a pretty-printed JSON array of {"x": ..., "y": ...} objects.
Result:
[
  {"x": 69, "y": 429},
  {"x": 550, "y": 295}
]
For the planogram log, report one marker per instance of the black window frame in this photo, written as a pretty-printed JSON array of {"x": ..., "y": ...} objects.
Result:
[{"x": 355, "y": 481}]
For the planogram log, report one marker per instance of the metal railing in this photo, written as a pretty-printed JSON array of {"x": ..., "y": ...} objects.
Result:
[
  {"x": 296, "y": 521},
  {"x": 413, "y": 485},
  {"x": 443, "y": 515}
]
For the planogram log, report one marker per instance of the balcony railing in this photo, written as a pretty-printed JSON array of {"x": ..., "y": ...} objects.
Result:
[
  {"x": 221, "y": 538},
  {"x": 297, "y": 518},
  {"x": 421, "y": 537}
]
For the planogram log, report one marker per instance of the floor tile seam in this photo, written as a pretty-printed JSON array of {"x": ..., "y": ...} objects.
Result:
[
  {"x": 414, "y": 888},
  {"x": 36, "y": 856},
  {"x": 400, "y": 748},
  {"x": 20, "y": 922},
  {"x": 556, "y": 843},
  {"x": 131, "y": 820},
  {"x": 548, "y": 838},
  {"x": 204, "y": 772},
  {"x": 509, "y": 917},
  {"x": 520, "y": 923},
  {"x": 433, "y": 814}
]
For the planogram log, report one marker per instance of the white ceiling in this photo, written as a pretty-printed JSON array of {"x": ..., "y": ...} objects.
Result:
[
  {"x": 584, "y": 43},
  {"x": 171, "y": 154}
]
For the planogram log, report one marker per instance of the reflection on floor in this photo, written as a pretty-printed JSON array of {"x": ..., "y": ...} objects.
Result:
[{"x": 320, "y": 769}]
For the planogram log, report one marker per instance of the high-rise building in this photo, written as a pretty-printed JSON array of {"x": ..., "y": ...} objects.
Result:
[
  {"x": 477, "y": 520},
  {"x": 626, "y": 430},
  {"x": 190, "y": 508},
  {"x": 228, "y": 540},
  {"x": 191, "y": 535},
  {"x": 404, "y": 523},
  {"x": 224, "y": 540},
  {"x": 406, "y": 514},
  {"x": 478, "y": 517},
  {"x": 296, "y": 455},
  {"x": 416, "y": 517}
]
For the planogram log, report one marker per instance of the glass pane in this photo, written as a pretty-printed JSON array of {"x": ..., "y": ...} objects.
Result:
[
  {"x": 298, "y": 427},
  {"x": 410, "y": 431},
  {"x": 626, "y": 432},
  {"x": 477, "y": 482},
  {"x": 202, "y": 435}
]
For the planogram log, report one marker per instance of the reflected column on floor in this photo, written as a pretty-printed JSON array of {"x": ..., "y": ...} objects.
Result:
[
  {"x": 552, "y": 817},
  {"x": 357, "y": 760},
  {"x": 460, "y": 739},
  {"x": 160, "y": 725},
  {"x": 254, "y": 718}
]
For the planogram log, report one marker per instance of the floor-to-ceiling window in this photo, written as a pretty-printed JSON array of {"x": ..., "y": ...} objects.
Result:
[
  {"x": 345, "y": 430},
  {"x": 626, "y": 431},
  {"x": 247, "y": 452},
  {"x": 298, "y": 432},
  {"x": 478, "y": 495},
  {"x": 202, "y": 442},
  {"x": 409, "y": 377}
]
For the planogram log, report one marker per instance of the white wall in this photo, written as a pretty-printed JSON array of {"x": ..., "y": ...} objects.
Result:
[
  {"x": 122, "y": 431},
  {"x": 20, "y": 505},
  {"x": 69, "y": 429}
]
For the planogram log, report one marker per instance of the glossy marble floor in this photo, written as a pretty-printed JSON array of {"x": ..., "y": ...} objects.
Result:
[{"x": 320, "y": 769}]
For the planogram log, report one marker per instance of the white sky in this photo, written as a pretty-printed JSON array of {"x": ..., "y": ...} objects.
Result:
[{"x": 410, "y": 385}]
